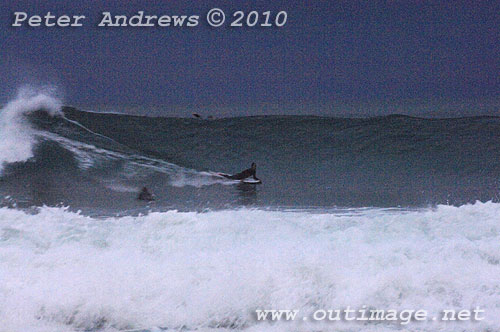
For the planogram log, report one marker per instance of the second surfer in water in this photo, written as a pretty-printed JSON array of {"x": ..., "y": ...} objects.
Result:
[{"x": 145, "y": 195}]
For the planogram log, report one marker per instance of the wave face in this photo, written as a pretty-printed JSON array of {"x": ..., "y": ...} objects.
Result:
[
  {"x": 187, "y": 271},
  {"x": 52, "y": 155}
]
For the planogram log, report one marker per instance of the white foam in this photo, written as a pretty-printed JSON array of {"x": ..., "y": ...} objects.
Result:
[
  {"x": 17, "y": 138},
  {"x": 61, "y": 271}
]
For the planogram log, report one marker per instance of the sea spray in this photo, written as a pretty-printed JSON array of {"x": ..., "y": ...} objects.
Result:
[{"x": 17, "y": 137}]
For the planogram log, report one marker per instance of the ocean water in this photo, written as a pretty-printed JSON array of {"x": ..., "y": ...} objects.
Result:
[{"x": 388, "y": 213}]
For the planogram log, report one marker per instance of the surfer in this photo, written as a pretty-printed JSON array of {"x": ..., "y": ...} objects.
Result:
[
  {"x": 145, "y": 195},
  {"x": 243, "y": 175}
]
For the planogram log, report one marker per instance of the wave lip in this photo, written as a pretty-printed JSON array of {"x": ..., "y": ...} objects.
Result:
[{"x": 17, "y": 137}]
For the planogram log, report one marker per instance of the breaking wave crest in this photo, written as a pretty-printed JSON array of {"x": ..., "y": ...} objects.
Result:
[{"x": 17, "y": 137}]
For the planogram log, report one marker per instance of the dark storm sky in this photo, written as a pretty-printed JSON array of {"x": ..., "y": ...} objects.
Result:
[{"x": 328, "y": 53}]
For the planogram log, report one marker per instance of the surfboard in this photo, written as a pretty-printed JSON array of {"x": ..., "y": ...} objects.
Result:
[
  {"x": 247, "y": 180},
  {"x": 250, "y": 181}
]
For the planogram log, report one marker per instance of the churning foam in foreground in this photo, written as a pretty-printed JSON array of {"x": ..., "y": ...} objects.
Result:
[
  {"x": 61, "y": 271},
  {"x": 16, "y": 136}
]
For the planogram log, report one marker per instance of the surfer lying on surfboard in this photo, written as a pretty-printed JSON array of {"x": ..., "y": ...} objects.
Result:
[{"x": 243, "y": 175}]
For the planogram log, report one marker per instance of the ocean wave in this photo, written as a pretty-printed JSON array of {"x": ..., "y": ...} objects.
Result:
[
  {"x": 62, "y": 271},
  {"x": 52, "y": 155}
]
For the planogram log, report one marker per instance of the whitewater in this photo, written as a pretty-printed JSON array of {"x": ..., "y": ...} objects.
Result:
[
  {"x": 16, "y": 135},
  {"x": 62, "y": 271}
]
